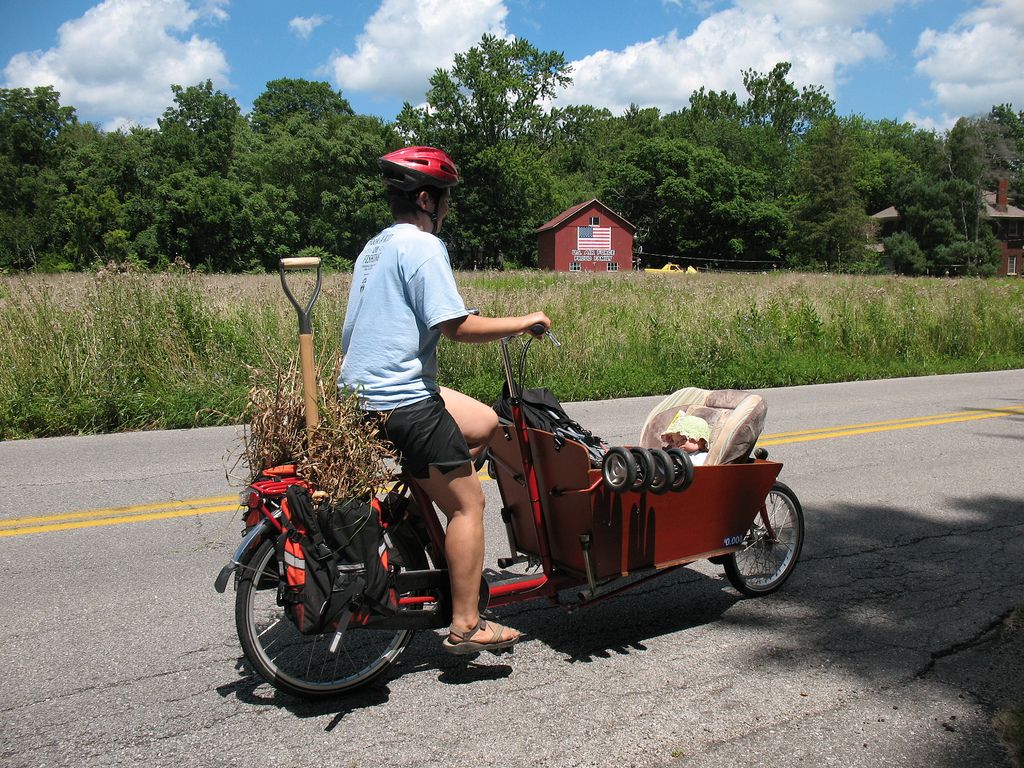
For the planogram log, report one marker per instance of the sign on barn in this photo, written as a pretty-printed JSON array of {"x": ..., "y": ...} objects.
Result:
[{"x": 588, "y": 237}]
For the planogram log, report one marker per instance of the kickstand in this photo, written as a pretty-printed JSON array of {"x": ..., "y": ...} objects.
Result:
[
  {"x": 343, "y": 620},
  {"x": 345, "y": 598}
]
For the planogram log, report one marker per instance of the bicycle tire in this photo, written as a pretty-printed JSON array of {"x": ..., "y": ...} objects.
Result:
[
  {"x": 302, "y": 665},
  {"x": 764, "y": 564}
]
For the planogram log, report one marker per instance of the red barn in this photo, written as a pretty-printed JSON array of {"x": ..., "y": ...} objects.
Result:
[{"x": 588, "y": 237}]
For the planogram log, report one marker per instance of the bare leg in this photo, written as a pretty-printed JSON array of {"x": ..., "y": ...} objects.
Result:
[
  {"x": 478, "y": 422},
  {"x": 459, "y": 496}
]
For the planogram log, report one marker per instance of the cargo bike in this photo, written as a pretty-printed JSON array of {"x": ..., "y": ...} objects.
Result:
[{"x": 586, "y": 529}]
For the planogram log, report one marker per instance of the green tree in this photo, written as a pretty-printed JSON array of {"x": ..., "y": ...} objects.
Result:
[
  {"x": 884, "y": 152},
  {"x": 31, "y": 125},
  {"x": 198, "y": 219},
  {"x": 690, "y": 201},
  {"x": 493, "y": 93},
  {"x": 285, "y": 98},
  {"x": 829, "y": 223},
  {"x": 488, "y": 112},
  {"x": 199, "y": 131},
  {"x": 1012, "y": 124},
  {"x": 581, "y": 149},
  {"x": 31, "y": 122},
  {"x": 103, "y": 188},
  {"x": 905, "y": 254},
  {"x": 315, "y": 180},
  {"x": 759, "y": 133},
  {"x": 774, "y": 102}
]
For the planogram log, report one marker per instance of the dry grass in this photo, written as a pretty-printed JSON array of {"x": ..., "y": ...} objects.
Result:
[
  {"x": 100, "y": 353},
  {"x": 342, "y": 457}
]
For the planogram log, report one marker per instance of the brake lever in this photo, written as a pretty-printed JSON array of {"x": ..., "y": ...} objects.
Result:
[{"x": 537, "y": 330}]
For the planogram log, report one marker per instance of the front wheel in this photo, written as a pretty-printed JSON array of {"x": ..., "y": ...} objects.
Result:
[
  {"x": 303, "y": 665},
  {"x": 769, "y": 557}
]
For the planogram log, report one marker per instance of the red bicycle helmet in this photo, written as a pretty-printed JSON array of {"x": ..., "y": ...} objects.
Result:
[{"x": 414, "y": 167}]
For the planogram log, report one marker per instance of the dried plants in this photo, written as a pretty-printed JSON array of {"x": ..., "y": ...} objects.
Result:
[{"x": 342, "y": 457}]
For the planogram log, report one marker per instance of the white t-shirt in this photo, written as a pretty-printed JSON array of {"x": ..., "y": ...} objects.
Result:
[{"x": 402, "y": 289}]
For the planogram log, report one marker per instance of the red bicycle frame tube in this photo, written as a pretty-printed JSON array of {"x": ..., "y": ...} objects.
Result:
[{"x": 529, "y": 471}]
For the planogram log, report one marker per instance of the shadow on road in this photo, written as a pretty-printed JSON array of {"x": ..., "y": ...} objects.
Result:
[
  {"x": 887, "y": 593},
  {"x": 253, "y": 690}
]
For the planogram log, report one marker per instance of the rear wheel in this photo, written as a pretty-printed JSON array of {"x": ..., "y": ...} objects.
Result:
[
  {"x": 303, "y": 665},
  {"x": 766, "y": 561}
]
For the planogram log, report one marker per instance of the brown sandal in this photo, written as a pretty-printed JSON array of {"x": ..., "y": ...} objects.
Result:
[{"x": 461, "y": 643}]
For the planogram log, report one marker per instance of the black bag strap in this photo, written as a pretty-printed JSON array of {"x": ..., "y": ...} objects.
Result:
[{"x": 300, "y": 505}]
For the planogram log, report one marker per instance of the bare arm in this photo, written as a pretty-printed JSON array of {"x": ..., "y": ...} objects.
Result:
[{"x": 475, "y": 329}]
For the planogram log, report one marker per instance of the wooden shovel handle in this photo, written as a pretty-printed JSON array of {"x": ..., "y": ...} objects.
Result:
[{"x": 300, "y": 262}]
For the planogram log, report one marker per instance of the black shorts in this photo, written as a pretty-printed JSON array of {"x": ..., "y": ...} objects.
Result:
[{"x": 426, "y": 436}]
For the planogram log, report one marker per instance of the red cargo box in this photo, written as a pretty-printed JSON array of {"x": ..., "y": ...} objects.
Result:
[{"x": 628, "y": 531}]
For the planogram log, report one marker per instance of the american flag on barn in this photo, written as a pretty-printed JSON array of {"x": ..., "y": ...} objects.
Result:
[
  {"x": 593, "y": 237},
  {"x": 588, "y": 237}
]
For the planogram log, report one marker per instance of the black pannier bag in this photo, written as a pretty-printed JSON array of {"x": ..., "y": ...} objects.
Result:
[
  {"x": 315, "y": 539},
  {"x": 542, "y": 410},
  {"x": 354, "y": 529}
]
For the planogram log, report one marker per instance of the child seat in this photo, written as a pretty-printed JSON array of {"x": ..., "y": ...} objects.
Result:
[{"x": 736, "y": 419}]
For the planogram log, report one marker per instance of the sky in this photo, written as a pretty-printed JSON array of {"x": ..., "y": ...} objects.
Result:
[{"x": 928, "y": 62}]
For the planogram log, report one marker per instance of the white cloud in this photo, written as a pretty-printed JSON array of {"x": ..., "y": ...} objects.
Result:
[
  {"x": 119, "y": 59},
  {"x": 797, "y": 14},
  {"x": 663, "y": 72},
  {"x": 930, "y": 122},
  {"x": 978, "y": 62},
  {"x": 405, "y": 41},
  {"x": 215, "y": 9},
  {"x": 303, "y": 26},
  {"x": 1009, "y": 12}
]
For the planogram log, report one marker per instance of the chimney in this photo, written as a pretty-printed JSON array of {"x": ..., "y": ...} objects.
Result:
[{"x": 1004, "y": 187}]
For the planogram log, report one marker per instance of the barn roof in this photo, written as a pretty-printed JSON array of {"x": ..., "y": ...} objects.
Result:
[{"x": 570, "y": 212}]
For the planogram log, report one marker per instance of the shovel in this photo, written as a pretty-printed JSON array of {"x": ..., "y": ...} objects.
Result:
[{"x": 309, "y": 381}]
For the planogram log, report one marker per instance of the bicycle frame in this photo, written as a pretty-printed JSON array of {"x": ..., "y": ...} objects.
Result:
[
  {"x": 432, "y": 587},
  {"x": 551, "y": 580}
]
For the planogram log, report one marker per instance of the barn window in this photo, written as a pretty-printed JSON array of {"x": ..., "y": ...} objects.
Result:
[
  {"x": 1011, "y": 265},
  {"x": 613, "y": 266},
  {"x": 595, "y": 221},
  {"x": 574, "y": 266}
]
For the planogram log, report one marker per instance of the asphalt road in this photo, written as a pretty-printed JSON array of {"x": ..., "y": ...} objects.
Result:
[{"x": 886, "y": 646}]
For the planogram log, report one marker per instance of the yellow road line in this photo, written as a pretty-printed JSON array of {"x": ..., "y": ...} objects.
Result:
[
  {"x": 120, "y": 511},
  {"x": 140, "y": 513},
  {"x": 782, "y": 438},
  {"x": 117, "y": 520}
]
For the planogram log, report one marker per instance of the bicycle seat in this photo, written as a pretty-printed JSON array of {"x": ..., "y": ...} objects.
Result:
[{"x": 736, "y": 418}]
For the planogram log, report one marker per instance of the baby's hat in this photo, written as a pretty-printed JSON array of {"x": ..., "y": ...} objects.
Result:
[{"x": 691, "y": 426}]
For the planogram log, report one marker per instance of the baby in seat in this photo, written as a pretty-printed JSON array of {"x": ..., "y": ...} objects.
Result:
[{"x": 691, "y": 434}]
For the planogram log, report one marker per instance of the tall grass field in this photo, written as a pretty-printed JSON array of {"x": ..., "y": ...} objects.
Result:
[{"x": 111, "y": 352}]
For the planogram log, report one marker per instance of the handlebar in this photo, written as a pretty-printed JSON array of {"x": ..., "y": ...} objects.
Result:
[
  {"x": 302, "y": 262},
  {"x": 537, "y": 330}
]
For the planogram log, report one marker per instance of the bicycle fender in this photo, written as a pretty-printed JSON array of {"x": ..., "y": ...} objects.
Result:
[{"x": 249, "y": 544}]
